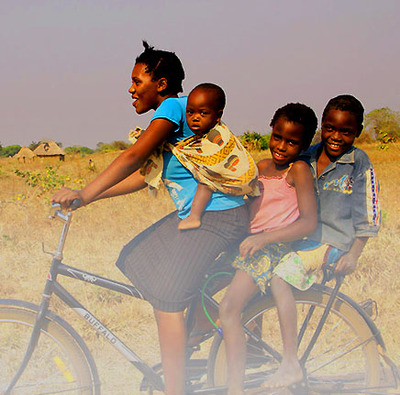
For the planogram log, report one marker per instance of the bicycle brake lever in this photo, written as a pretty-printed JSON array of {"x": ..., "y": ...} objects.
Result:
[
  {"x": 47, "y": 252},
  {"x": 56, "y": 210}
]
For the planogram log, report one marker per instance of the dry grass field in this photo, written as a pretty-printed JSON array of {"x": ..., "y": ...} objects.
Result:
[{"x": 100, "y": 230}]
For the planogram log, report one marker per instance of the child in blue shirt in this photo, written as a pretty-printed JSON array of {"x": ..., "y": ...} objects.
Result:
[{"x": 348, "y": 214}]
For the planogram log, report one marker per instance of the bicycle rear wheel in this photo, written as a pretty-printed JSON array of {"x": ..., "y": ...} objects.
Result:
[
  {"x": 344, "y": 359},
  {"x": 61, "y": 363}
]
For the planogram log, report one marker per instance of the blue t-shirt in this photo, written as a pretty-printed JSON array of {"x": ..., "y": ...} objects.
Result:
[{"x": 179, "y": 181}]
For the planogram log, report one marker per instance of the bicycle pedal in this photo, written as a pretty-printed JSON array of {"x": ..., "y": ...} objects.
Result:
[
  {"x": 370, "y": 307},
  {"x": 300, "y": 388}
]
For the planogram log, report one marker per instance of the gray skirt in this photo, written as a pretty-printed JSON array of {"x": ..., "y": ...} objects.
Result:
[{"x": 168, "y": 265}]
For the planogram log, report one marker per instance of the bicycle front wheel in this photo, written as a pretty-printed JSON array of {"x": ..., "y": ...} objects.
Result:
[
  {"x": 344, "y": 359},
  {"x": 60, "y": 363}
]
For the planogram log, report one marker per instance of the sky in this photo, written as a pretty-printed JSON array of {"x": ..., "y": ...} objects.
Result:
[{"x": 66, "y": 64}]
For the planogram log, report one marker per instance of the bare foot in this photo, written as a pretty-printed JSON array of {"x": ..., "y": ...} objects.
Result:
[
  {"x": 189, "y": 223},
  {"x": 235, "y": 391},
  {"x": 287, "y": 375}
]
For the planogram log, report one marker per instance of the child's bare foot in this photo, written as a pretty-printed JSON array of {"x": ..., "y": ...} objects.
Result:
[
  {"x": 235, "y": 392},
  {"x": 235, "y": 389},
  {"x": 287, "y": 375},
  {"x": 189, "y": 223}
]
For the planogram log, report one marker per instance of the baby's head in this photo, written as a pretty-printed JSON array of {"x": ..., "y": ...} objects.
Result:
[
  {"x": 342, "y": 122},
  {"x": 205, "y": 105},
  {"x": 301, "y": 116}
]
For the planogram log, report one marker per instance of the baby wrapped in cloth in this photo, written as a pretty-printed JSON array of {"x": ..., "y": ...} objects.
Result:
[{"x": 216, "y": 159}]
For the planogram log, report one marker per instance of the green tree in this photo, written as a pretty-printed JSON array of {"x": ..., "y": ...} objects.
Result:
[
  {"x": 383, "y": 124},
  {"x": 255, "y": 141},
  {"x": 10, "y": 150},
  {"x": 33, "y": 145},
  {"x": 114, "y": 146},
  {"x": 76, "y": 149}
]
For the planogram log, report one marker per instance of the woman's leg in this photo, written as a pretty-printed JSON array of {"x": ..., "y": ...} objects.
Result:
[
  {"x": 290, "y": 371},
  {"x": 238, "y": 294},
  {"x": 172, "y": 338}
]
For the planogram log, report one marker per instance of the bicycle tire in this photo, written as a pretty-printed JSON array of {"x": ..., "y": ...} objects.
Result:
[
  {"x": 61, "y": 362},
  {"x": 345, "y": 357}
]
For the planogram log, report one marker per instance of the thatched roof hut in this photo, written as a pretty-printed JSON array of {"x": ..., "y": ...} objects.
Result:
[
  {"x": 24, "y": 153},
  {"x": 49, "y": 149}
]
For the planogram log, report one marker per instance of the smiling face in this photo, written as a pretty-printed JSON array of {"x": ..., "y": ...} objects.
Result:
[
  {"x": 201, "y": 112},
  {"x": 338, "y": 132},
  {"x": 286, "y": 142},
  {"x": 144, "y": 91}
]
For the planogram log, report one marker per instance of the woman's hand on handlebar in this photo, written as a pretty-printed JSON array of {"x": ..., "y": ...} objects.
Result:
[{"x": 66, "y": 196}]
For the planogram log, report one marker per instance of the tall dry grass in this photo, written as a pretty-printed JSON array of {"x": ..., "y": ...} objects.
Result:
[{"x": 99, "y": 231}]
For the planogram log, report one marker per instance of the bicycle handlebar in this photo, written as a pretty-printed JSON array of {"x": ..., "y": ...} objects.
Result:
[
  {"x": 329, "y": 271},
  {"x": 56, "y": 210},
  {"x": 75, "y": 204}
]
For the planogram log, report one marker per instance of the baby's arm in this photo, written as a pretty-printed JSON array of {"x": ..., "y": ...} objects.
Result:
[
  {"x": 200, "y": 200},
  {"x": 301, "y": 178}
]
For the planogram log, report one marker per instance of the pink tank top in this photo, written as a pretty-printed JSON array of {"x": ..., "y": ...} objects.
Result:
[{"x": 276, "y": 207}]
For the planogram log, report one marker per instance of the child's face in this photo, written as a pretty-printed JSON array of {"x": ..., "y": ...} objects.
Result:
[
  {"x": 338, "y": 132},
  {"x": 286, "y": 141},
  {"x": 144, "y": 90},
  {"x": 201, "y": 112}
]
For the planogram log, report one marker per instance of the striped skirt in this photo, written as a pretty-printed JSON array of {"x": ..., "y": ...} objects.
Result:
[{"x": 167, "y": 265}]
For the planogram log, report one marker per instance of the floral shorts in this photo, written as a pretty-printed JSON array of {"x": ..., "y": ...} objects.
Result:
[
  {"x": 298, "y": 264},
  {"x": 260, "y": 266}
]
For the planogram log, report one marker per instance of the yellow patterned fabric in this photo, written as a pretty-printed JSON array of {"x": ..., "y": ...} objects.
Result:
[
  {"x": 220, "y": 161},
  {"x": 217, "y": 159},
  {"x": 152, "y": 169},
  {"x": 261, "y": 264}
]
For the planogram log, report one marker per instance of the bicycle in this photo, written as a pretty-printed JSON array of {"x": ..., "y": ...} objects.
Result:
[{"x": 40, "y": 353}]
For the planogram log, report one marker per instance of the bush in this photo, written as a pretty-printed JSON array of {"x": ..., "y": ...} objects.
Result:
[
  {"x": 255, "y": 141},
  {"x": 76, "y": 149},
  {"x": 114, "y": 146},
  {"x": 10, "y": 150}
]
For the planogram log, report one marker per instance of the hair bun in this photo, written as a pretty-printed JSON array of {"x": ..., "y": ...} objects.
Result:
[{"x": 147, "y": 47}]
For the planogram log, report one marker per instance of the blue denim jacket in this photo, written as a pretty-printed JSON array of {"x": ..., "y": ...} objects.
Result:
[{"x": 347, "y": 196}]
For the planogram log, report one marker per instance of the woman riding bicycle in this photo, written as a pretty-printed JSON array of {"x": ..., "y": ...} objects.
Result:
[{"x": 164, "y": 263}]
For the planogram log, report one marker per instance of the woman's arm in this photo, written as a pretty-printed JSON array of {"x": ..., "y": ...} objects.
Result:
[
  {"x": 133, "y": 183},
  {"x": 122, "y": 167},
  {"x": 301, "y": 178}
]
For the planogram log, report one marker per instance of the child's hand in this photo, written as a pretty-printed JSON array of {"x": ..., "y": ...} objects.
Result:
[
  {"x": 252, "y": 244},
  {"x": 347, "y": 264}
]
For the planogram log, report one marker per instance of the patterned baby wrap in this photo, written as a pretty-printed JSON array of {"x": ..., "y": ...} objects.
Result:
[{"x": 217, "y": 159}]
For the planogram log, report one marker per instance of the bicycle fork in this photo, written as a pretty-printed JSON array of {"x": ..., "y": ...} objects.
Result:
[
  {"x": 303, "y": 359},
  {"x": 37, "y": 327}
]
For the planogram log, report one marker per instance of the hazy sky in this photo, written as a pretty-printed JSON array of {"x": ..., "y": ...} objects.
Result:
[{"x": 66, "y": 65}]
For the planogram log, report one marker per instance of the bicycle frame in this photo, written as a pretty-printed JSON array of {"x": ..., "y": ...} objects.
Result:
[{"x": 52, "y": 286}]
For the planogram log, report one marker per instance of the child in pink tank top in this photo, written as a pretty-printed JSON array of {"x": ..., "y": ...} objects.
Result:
[
  {"x": 286, "y": 211},
  {"x": 281, "y": 196}
]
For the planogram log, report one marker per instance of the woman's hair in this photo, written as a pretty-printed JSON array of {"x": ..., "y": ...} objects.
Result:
[
  {"x": 299, "y": 113},
  {"x": 163, "y": 64},
  {"x": 219, "y": 94},
  {"x": 346, "y": 103}
]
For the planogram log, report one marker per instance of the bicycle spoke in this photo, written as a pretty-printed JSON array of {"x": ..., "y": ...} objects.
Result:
[
  {"x": 343, "y": 359},
  {"x": 57, "y": 365},
  {"x": 337, "y": 356}
]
